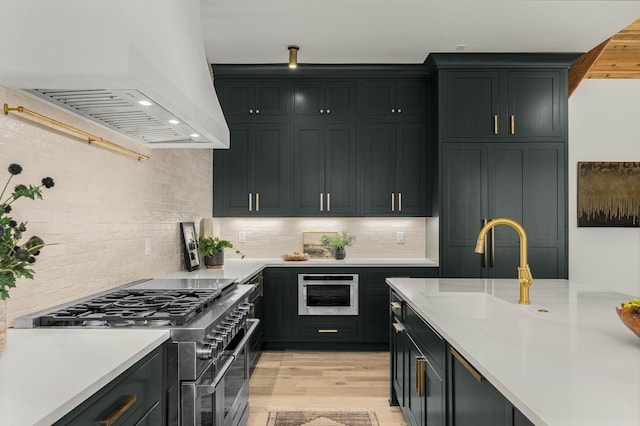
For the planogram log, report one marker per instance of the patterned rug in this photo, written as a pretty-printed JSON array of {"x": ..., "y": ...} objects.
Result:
[{"x": 319, "y": 417}]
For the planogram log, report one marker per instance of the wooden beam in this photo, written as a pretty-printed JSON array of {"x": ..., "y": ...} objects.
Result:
[{"x": 583, "y": 64}]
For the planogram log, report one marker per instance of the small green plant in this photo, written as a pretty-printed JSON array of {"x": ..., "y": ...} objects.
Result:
[
  {"x": 341, "y": 241},
  {"x": 211, "y": 245}
]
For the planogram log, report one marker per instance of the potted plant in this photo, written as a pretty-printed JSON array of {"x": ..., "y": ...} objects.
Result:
[
  {"x": 213, "y": 251},
  {"x": 337, "y": 244}
]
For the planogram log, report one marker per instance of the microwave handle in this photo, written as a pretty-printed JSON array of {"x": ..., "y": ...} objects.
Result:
[{"x": 209, "y": 387}]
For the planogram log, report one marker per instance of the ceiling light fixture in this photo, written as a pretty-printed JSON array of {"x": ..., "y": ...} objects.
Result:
[{"x": 293, "y": 56}]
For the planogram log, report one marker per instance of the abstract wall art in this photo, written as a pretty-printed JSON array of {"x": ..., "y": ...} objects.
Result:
[{"x": 609, "y": 194}]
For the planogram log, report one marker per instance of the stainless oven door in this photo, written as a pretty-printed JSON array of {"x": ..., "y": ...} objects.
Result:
[{"x": 220, "y": 396}]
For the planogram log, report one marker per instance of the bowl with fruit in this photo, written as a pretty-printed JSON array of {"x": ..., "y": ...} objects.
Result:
[{"x": 629, "y": 314}]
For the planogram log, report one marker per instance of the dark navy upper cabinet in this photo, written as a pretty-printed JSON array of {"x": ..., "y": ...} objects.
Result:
[
  {"x": 325, "y": 169},
  {"x": 395, "y": 97},
  {"x": 329, "y": 98},
  {"x": 395, "y": 167},
  {"x": 252, "y": 175},
  {"x": 502, "y": 105},
  {"x": 256, "y": 98}
]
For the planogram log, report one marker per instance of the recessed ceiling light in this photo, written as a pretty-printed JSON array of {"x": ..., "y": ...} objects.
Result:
[
  {"x": 174, "y": 121},
  {"x": 194, "y": 135},
  {"x": 145, "y": 103}
]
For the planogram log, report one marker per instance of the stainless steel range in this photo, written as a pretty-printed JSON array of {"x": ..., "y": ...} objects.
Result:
[{"x": 206, "y": 358}]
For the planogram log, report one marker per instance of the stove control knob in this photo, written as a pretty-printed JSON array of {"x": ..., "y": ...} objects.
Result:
[{"x": 205, "y": 351}]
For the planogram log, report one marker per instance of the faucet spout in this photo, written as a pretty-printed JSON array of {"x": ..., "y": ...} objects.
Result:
[{"x": 525, "y": 279}]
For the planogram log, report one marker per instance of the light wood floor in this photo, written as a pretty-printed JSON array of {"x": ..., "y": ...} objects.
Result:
[{"x": 342, "y": 380}]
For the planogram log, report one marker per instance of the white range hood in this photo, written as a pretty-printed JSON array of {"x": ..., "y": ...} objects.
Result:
[{"x": 99, "y": 58}]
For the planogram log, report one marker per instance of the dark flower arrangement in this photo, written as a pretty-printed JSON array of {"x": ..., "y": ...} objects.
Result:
[{"x": 16, "y": 258}]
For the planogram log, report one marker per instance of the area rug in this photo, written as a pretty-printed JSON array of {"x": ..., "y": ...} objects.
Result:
[{"x": 320, "y": 417}]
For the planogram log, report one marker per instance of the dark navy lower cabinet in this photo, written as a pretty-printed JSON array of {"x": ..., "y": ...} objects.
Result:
[
  {"x": 433, "y": 384},
  {"x": 136, "y": 397}
]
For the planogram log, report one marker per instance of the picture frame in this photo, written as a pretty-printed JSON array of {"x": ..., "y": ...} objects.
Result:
[
  {"x": 312, "y": 245},
  {"x": 608, "y": 194},
  {"x": 191, "y": 249}
]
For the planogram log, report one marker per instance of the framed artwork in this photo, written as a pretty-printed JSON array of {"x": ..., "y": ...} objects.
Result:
[
  {"x": 609, "y": 194},
  {"x": 191, "y": 252},
  {"x": 312, "y": 245}
]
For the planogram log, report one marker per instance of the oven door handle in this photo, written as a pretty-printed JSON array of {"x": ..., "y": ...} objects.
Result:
[{"x": 208, "y": 388}]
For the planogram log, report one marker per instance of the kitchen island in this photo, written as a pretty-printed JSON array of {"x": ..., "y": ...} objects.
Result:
[
  {"x": 566, "y": 359},
  {"x": 46, "y": 373}
]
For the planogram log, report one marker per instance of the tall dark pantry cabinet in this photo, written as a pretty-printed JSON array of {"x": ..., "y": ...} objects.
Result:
[{"x": 500, "y": 128}]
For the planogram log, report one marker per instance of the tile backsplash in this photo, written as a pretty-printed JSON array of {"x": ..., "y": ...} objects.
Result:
[
  {"x": 375, "y": 237},
  {"x": 103, "y": 209}
]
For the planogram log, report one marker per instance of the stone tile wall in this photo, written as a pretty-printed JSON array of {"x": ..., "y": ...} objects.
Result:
[{"x": 103, "y": 208}]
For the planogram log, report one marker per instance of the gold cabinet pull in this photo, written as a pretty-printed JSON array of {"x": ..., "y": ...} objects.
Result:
[
  {"x": 257, "y": 111},
  {"x": 475, "y": 373},
  {"x": 321, "y": 111},
  {"x": 393, "y": 110},
  {"x": 513, "y": 124},
  {"x": 321, "y": 201},
  {"x": 399, "y": 201},
  {"x": 395, "y": 305},
  {"x": 257, "y": 201},
  {"x": 327, "y": 330},
  {"x": 495, "y": 124},
  {"x": 328, "y": 201},
  {"x": 328, "y": 111},
  {"x": 118, "y": 412},
  {"x": 250, "y": 202},
  {"x": 397, "y": 327},
  {"x": 393, "y": 201},
  {"x": 420, "y": 382},
  {"x": 250, "y": 111},
  {"x": 399, "y": 110}
]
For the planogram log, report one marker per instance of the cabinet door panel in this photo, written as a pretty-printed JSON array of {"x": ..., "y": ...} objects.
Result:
[
  {"x": 464, "y": 206},
  {"x": 340, "y": 173},
  {"x": 534, "y": 102},
  {"x": 379, "y": 96},
  {"x": 272, "y": 97},
  {"x": 411, "y": 96},
  {"x": 411, "y": 169},
  {"x": 309, "y": 166},
  {"x": 380, "y": 169},
  {"x": 435, "y": 395},
  {"x": 308, "y": 97},
  {"x": 414, "y": 403},
  {"x": 470, "y": 104},
  {"x": 475, "y": 403},
  {"x": 340, "y": 97},
  {"x": 280, "y": 299},
  {"x": 237, "y": 164},
  {"x": 270, "y": 178},
  {"x": 544, "y": 210},
  {"x": 505, "y": 166},
  {"x": 237, "y": 98}
]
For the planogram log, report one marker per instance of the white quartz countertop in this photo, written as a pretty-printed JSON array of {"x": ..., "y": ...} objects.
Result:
[
  {"x": 46, "y": 373},
  {"x": 576, "y": 364},
  {"x": 245, "y": 268}
]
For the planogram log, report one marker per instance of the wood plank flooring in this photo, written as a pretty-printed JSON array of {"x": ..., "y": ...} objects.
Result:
[{"x": 341, "y": 380}]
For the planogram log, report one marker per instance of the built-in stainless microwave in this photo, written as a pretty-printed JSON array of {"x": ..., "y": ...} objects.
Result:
[{"x": 327, "y": 294}]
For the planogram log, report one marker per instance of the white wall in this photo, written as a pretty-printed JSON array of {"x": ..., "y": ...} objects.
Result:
[
  {"x": 604, "y": 125},
  {"x": 103, "y": 208}
]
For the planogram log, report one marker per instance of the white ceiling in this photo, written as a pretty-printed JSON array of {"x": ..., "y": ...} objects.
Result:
[{"x": 402, "y": 31}]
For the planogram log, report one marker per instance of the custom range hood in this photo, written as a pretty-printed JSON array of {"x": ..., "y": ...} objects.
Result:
[{"x": 137, "y": 67}]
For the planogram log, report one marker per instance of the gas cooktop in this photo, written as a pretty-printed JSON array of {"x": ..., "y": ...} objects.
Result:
[{"x": 134, "y": 307}]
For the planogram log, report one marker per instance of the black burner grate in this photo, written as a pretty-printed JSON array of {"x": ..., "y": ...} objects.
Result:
[{"x": 136, "y": 307}]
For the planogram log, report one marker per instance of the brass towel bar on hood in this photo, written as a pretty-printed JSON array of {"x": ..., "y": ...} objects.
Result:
[{"x": 90, "y": 138}]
